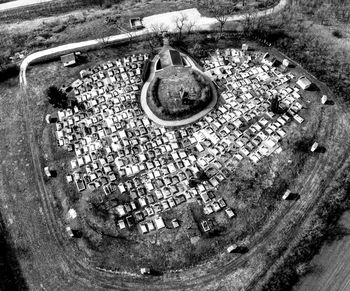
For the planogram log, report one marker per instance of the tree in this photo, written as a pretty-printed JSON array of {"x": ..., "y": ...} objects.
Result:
[
  {"x": 190, "y": 25},
  {"x": 221, "y": 11},
  {"x": 250, "y": 20},
  {"x": 3, "y": 62},
  {"x": 56, "y": 97},
  {"x": 275, "y": 105},
  {"x": 154, "y": 38},
  {"x": 180, "y": 24}
]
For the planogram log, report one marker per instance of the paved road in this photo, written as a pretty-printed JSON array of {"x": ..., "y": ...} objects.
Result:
[{"x": 20, "y": 3}]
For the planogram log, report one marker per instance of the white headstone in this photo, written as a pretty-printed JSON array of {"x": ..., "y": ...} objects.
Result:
[
  {"x": 314, "y": 146},
  {"x": 48, "y": 118},
  {"x": 324, "y": 99},
  {"x": 285, "y": 62}
]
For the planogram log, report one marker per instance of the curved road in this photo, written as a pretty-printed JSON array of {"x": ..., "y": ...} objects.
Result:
[
  {"x": 193, "y": 279},
  {"x": 20, "y": 3},
  {"x": 174, "y": 123}
]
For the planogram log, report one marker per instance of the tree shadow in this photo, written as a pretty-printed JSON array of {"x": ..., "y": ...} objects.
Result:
[
  {"x": 53, "y": 173},
  {"x": 293, "y": 196},
  {"x": 336, "y": 233},
  {"x": 329, "y": 102},
  {"x": 156, "y": 273},
  {"x": 10, "y": 269},
  {"x": 77, "y": 233},
  {"x": 303, "y": 145},
  {"x": 320, "y": 149},
  {"x": 242, "y": 249},
  {"x": 313, "y": 88}
]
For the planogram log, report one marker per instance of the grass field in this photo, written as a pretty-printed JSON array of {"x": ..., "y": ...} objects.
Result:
[{"x": 331, "y": 268}]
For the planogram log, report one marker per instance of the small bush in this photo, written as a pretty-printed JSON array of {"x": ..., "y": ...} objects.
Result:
[
  {"x": 59, "y": 28},
  {"x": 337, "y": 33}
]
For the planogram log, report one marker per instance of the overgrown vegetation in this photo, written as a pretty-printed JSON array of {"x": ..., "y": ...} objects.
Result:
[
  {"x": 295, "y": 32},
  {"x": 319, "y": 228},
  {"x": 57, "y": 98}
]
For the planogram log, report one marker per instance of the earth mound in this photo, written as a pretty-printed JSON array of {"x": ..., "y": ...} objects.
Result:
[{"x": 179, "y": 92}]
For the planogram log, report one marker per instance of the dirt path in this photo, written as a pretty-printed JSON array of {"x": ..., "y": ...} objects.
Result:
[{"x": 173, "y": 123}]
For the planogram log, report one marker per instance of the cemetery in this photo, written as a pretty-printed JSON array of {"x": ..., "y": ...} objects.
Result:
[{"x": 145, "y": 173}]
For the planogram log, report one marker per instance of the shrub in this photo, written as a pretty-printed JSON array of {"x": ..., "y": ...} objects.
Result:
[
  {"x": 59, "y": 28},
  {"x": 8, "y": 72},
  {"x": 56, "y": 97},
  {"x": 337, "y": 33}
]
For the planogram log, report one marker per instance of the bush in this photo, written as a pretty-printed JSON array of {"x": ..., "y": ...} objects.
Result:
[
  {"x": 337, "y": 33},
  {"x": 56, "y": 97},
  {"x": 8, "y": 72},
  {"x": 59, "y": 28}
]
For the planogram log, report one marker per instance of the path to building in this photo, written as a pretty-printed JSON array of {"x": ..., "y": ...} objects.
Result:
[
  {"x": 20, "y": 3},
  {"x": 174, "y": 123}
]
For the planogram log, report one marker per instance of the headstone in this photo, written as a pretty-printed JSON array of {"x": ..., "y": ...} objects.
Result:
[
  {"x": 285, "y": 63},
  {"x": 324, "y": 99},
  {"x": 286, "y": 195},
  {"x": 48, "y": 118},
  {"x": 314, "y": 147}
]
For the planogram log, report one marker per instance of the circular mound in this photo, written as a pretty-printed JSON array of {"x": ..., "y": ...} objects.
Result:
[{"x": 179, "y": 92}]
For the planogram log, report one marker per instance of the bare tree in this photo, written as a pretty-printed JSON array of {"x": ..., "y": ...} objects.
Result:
[
  {"x": 221, "y": 11},
  {"x": 190, "y": 25},
  {"x": 155, "y": 36},
  {"x": 250, "y": 20},
  {"x": 180, "y": 22}
]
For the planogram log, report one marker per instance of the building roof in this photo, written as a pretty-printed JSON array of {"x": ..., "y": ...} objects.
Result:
[
  {"x": 68, "y": 59},
  {"x": 170, "y": 57}
]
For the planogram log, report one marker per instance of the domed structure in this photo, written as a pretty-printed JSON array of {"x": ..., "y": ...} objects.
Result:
[{"x": 177, "y": 92}]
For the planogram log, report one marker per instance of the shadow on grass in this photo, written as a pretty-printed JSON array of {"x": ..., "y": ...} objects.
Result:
[
  {"x": 156, "y": 273},
  {"x": 336, "y": 233},
  {"x": 11, "y": 277},
  {"x": 329, "y": 102},
  {"x": 321, "y": 150},
  {"x": 53, "y": 173},
  {"x": 313, "y": 88}
]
